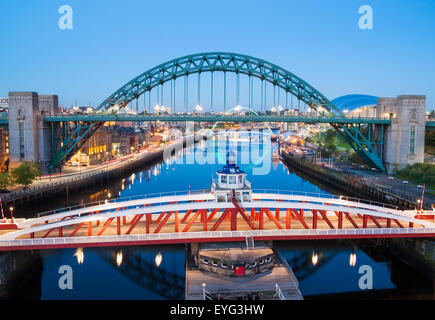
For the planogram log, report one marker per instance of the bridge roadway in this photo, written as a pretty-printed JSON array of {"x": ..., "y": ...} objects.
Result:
[
  {"x": 197, "y": 217},
  {"x": 100, "y": 117},
  {"x": 96, "y": 117}
]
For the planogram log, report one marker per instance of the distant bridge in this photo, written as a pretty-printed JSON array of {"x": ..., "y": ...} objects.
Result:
[
  {"x": 197, "y": 217},
  {"x": 95, "y": 117},
  {"x": 70, "y": 132}
]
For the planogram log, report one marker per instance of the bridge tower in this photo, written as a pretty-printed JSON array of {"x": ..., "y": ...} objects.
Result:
[
  {"x": 404, "y": 138},
  {"x": 30, "y": 137}
]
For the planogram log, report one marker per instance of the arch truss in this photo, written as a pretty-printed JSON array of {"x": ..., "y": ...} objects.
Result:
[{"x": 362, "y": 140}]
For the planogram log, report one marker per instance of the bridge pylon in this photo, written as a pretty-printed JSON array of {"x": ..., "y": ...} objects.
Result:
[
  {"x": 403, "y": 139},
  {"x": 31, "y": 138}
]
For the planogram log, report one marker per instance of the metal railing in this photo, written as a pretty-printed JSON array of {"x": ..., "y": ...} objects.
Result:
[
  {"x": 124, "y": 199},
  {"x": 279, "y": 293},
  {"x": 327, "y": 196},
  {"x": 207, "y": 191}
]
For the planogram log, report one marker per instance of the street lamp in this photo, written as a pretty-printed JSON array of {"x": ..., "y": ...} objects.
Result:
[
  {"x": 198, "y": 108},
  {"x": 12, "y": 214},
  {"x": 156, "y": 108}
]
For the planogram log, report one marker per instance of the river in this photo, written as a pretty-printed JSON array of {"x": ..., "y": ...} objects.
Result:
[{"x": 324, "y": 268}]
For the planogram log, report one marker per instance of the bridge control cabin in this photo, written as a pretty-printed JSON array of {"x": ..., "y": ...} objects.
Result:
[{"x": 231, "y": 178}]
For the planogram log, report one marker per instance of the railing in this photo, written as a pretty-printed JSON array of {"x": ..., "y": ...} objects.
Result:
[
  {"x": 205, "y": 294},
  {"x": 182, "y": 236},
  {"x": 279, "y": 292},
  {"x": 124, "y": 199},
  {"x": 325, "y": 195},
  {"x": 207, "y": 191}
]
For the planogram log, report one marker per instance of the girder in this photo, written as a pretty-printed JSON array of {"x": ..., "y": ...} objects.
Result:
[{"x": 222, "y": 62}]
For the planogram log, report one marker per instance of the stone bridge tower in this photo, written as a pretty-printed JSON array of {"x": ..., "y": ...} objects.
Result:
[
  {"x": 30, "y": 137},
  {"x": 404, "y": 138}
]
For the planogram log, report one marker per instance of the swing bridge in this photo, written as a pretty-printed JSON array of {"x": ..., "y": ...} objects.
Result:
[{"x": 196, "y": 216}]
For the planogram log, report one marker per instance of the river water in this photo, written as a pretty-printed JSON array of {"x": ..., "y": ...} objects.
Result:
[{"x": 324, "y": 268}]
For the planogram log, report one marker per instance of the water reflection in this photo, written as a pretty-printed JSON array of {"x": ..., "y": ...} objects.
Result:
[
  {"x": 119, "y": 258},
  {"x": 352, "y": 259},
  {"x": 314, "y": 259},
  {"x": 79, "y": 254},
  {"x": 158, "y": 259}
]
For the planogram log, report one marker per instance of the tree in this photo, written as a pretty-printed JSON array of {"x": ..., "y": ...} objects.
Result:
[
  {"x": 25, "y": 173},
  {"x": 5, "y": 180}
]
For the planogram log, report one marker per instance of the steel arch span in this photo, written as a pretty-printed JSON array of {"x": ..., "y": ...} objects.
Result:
[{"x": 221, "y": 62}]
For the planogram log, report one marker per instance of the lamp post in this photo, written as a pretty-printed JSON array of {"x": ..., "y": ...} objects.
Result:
[{"x": 12, "y": 214}]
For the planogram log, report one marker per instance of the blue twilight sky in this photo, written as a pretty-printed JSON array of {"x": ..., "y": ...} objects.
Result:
[{"x": 114, "y": 41}]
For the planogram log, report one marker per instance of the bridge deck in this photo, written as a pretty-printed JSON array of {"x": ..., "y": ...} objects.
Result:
[{"x": 198, "y": 226}]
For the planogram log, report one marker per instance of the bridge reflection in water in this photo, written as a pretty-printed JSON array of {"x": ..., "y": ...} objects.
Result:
[
  {"x": 143, "y": 267},
  {"x": 168, "y": 281}
]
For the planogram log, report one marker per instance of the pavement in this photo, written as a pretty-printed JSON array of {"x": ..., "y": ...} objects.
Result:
[{"x": 385, "y": 180}]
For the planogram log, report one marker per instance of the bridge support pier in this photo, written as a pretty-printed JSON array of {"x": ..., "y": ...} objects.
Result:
[{"x": 31, "y": 137}]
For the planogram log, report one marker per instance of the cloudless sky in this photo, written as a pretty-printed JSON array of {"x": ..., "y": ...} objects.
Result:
[{"x": 114, "y": 41}]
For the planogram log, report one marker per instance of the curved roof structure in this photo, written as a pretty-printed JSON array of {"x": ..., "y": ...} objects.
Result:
[{"x": 353, "y": 101}]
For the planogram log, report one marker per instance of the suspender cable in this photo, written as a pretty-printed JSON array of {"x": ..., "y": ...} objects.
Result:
[
  {"x": 170, "y": 103},
  {"x": 186, "y": 87},
  {"x": 161, "y": 102},
  {"x": 158, "y": 95},
  {"x": 262, "y": 94},
  {"x": 149, "y": 101},
  {"x": 225, "y": 91},
  {"x": 274, "y": 95},
  {"x": 237, "y": 88},
  {"x": 199, "y": 88},
  {"x": 265, "y": 95},
  {"x": 173, "y": 110},
  {"x": 277, "y": 91},
  {"x": 211, "y": 91},
  {"x": 286, "y": 99},
  {"x": 250, "y": 92}
]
